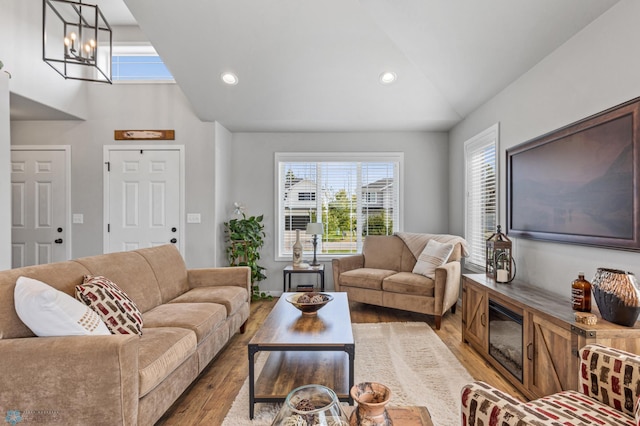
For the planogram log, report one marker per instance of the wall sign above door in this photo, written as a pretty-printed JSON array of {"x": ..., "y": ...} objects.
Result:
[{"x": 137, "y": 135}]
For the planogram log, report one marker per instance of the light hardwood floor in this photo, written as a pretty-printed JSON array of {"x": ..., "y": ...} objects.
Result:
[{"x": 207, "y": 401}]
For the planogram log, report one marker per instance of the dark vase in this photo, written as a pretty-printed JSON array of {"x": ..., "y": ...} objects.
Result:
[{"x": 617, "y": 295}]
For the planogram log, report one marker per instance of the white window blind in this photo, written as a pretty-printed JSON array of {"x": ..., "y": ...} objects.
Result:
[
  {"x": 481, "y": 193},
  {"x": 352, "y": 195}
]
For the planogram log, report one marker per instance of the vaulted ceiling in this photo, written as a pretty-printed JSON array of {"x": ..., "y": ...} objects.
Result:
[{"x": 311, "y": 65}]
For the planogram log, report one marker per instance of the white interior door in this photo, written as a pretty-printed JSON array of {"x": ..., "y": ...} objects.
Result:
[
  {"x": 40, "y": 227},
  {"x": 144, "y": 198}
]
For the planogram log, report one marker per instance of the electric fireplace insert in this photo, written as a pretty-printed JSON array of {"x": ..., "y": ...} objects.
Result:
[{"x": 505, "y": 337}]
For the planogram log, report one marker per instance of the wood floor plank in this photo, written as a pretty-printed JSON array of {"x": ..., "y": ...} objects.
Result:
[{"x": 208, "y": 399}]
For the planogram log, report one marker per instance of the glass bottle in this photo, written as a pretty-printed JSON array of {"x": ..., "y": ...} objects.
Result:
[
  {"x": 297, "y": 250},
  {"x": 581, "y": 294}
]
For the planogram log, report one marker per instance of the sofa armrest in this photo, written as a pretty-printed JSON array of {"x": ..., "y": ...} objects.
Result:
[
  {"x": 482, "y": 404},
  {"x": 344, "y": 264},
  {"x": 238, "y": 276},
  {"x": 611, "y": 376},
  {"x": 446, "y": 286},
  {"x": 71, "y": 379}
]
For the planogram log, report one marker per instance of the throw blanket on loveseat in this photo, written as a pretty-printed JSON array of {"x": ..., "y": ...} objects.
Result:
[{"x": 417, "y": 242}]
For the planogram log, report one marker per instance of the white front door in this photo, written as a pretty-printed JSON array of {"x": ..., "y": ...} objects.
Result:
[
  {"x": 40, "y": 228},
  {"x": 143, "y": 198}
]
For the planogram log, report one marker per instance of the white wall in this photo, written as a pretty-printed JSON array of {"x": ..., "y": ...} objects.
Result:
[
  {"x": 133, "y": 106},
  {"x": 425, "y": 176},
  {"x": 595, "y": 70},
  {"x": 21, "y": 52},
  {"x": 5, "y": 175}
]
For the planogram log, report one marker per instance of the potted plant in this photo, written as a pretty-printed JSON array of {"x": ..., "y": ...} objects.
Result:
[{"x": 245, "y": 237}]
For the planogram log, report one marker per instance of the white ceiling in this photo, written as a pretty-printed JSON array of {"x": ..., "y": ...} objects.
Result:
[{"x": 309, "y": 65}]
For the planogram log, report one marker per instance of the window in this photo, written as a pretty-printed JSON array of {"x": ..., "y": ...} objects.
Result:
[
  {"x": 306, "y": 196},
  {"x": 352, "y": 194},
  {"x": 138, "y": 63},
  {"x": 481, "y": 190}
]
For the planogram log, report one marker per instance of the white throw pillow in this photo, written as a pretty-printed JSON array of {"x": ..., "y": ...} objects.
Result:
[
  {"x": 434, "y": 254},
  {"x": 50, "y": 312}
]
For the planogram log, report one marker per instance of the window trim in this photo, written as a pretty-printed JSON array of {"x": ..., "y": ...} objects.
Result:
[
  {"x": 330, "y": 157},
  {"x": 471, "y": 145}
]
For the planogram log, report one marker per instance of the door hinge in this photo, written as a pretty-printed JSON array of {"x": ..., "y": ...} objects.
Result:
[
  {"x": 108, "y": 163},
  {"x": 108, "y": 227}
]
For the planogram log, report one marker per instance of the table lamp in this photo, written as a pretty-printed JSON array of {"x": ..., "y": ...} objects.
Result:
[{"x": 315, "y": 229}]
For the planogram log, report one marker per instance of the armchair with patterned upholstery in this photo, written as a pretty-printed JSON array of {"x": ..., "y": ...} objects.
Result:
[{"x": 608, "y": 388}]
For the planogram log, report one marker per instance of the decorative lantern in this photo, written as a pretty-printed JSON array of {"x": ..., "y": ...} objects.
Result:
[{"x": 500, "y": 264}]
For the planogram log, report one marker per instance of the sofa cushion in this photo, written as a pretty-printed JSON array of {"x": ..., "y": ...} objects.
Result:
[
  {"x": 169, "y": 268},
  {"x": 133, "y": 274},
  {"x": 434, "y": 254},
  {"x": 365, "y": 278},
  {"x": 201, "y": 318},
  {"x": 50, "y": 312},
  {"x": 409, "y": 283},
  {"x": 118, "y": 311},
  {"x": 231, "y": 297},
  {"x": 161, "y": 351}
]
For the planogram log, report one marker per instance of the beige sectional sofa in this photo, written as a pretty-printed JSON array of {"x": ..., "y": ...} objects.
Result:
[
  {"x": 382, "y": 275},
  {"x": 189, "y": 315}
]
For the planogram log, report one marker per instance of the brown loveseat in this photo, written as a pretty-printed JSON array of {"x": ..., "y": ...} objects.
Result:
[
  {"x": 382, "y": 275},
  {"x": 189, "y": 315}
]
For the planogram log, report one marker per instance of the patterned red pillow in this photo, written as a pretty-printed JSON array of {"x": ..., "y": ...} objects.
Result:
[{"x": 119, "y": 312}]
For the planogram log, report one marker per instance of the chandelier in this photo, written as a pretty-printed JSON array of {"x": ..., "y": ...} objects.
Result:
[{"x": 76, "y": 40}]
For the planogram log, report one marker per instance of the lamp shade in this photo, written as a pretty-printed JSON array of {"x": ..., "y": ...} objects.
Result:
[{"x": 314, "y": 228}]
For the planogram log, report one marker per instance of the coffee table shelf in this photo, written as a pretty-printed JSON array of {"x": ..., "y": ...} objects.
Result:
[
  {"x": 285, "y": 371},
  {"x": 303, "y": 350}
]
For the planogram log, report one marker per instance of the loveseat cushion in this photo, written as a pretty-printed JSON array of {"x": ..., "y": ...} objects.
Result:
[
  {"x": 409, "y": 283},
  {"x": 161, "y": 351},
  {"x": 201, "y": 318},
  {"x": 230, "y": 297},
  {"x": 384, "y": 252},
  {"x": 365, "y": 278}
]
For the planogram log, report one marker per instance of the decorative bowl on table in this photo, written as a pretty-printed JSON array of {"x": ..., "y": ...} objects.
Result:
[
  {"x": 309, "y": 303},
  {"x": 311, "y": 405}
]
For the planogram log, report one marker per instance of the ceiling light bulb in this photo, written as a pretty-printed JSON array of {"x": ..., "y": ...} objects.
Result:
[
  {"x": 229, "y": 78},
  {"x": 388, "y": 77}
]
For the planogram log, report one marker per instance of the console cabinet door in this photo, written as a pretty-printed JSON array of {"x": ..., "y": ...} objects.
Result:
[
  {"x": 548, "y": 353},
  {"x": 475, "y": 316}
]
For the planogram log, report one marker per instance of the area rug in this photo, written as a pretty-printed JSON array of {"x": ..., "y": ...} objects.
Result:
[{"x": 407, "y": 357}]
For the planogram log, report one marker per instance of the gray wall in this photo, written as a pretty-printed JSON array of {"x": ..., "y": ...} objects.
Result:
[
  {"x": 5, "y": 175},
  {"x": 425, "y": 176},
  {"x": 133, "y": 106},
  {"x": 595, "y": 70}
]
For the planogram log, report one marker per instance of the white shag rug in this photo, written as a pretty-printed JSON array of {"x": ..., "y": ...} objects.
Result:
[{"x": 407, "y": 357}]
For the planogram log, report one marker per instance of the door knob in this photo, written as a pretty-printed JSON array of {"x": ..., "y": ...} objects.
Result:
[
  {"x": 173, "y": 240},
  {"x": 58, "y": 241}
]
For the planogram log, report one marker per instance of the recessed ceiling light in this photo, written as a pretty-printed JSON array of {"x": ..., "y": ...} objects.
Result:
[
  {"x": 229, "y": 78},
  {"x": 388, "y": 77}
]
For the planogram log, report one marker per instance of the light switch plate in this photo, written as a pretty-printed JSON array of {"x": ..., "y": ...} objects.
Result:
[
  {"x": 78, "y": 218},
  {"x": 193, "y": 217}
]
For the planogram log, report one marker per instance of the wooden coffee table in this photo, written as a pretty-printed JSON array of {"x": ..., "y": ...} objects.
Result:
[{"x": 303, "y": 350}]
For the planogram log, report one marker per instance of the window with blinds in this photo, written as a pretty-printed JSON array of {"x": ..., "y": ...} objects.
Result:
[
  {"x": 352, "y": 195},
  {"x": 481, "y": 193}
]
